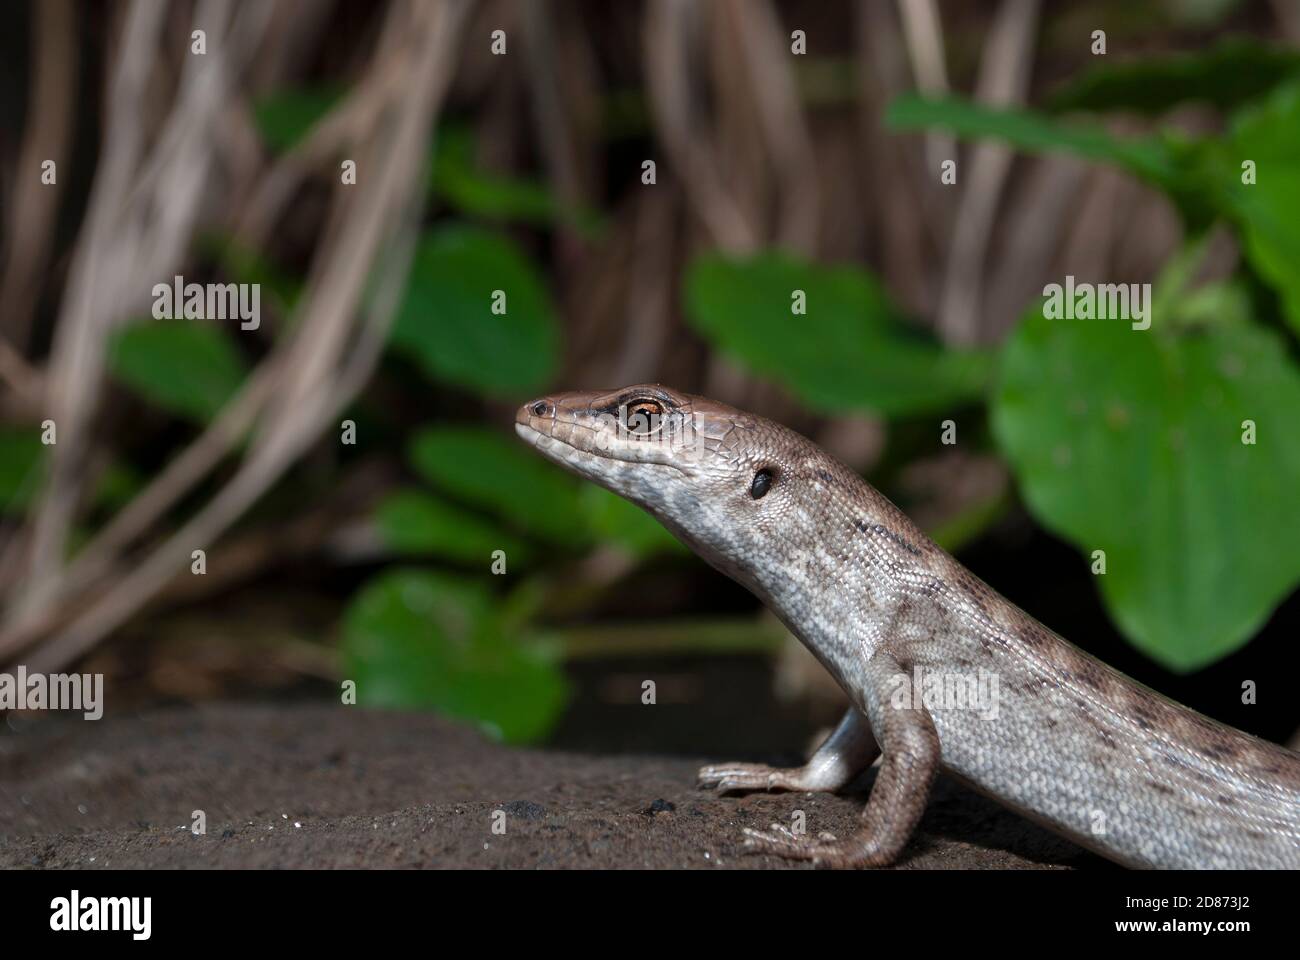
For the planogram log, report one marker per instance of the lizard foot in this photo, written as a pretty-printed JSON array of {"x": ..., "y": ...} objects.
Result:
[
  {"x": 825, "y": 851},
  {"x": 729, "y": 777}
]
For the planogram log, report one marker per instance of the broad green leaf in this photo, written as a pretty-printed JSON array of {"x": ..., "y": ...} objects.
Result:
[
  {"x": 493, "y": 196},
  {"x": 446, "y": 321},
  {"x": 1034, "y": 132},
  {"x": 1131, "y": 442},
  {"x": 1268, "y": 211},
  {"x": 416, "y": 639},
  {"x": 21, "y": 456},
  {"x": 284, "y": 117},
  {"x": 622, "y": 522},
  {"x": 413, "y": 522},
  {"x": 852, "y": 349},
  {"x": 501, "y": 475},
  {"x": 1228, "y": 74},
  {"x": 186, "y": 367}
]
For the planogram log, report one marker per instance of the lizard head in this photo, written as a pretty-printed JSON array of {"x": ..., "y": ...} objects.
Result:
[{"x": 722, "y": 480}]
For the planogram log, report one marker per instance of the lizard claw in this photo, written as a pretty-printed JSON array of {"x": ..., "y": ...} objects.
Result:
[
  {"x": 732, "y": 777},
  {"x": 777, "y": 836},
  {"x": 783, "y": 842}
]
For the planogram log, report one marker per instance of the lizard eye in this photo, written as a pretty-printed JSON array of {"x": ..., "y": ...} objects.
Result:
[
  {"x": 643, "y": 417},
  {"x": 762, "y": 483}
]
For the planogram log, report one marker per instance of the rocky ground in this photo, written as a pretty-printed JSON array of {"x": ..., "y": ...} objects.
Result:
[{"x": 332, "y": 786}]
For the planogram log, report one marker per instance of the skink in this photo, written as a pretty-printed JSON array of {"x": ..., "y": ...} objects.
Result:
[{"x": 942, "y": 672}]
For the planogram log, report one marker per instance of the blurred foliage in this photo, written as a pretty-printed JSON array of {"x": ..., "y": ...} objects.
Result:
[
  {"x": 489, "y": 471},
  {"x": 1203, "y": 177},
  {"x": 851, "y": 350},
  {"x": 1131, "y": 442},
  {"x": 445, "y": 321},
  {"x": 492, "y": 495},
  {"x": 1268, "y": 211},
  {"x": 476, "y": 193},
  {"x": 416, "y": 638},
  {"x": 187, "y": 367},
  {"x": 1123, "y": 441},
  {"x": 20, "y": 476},
  {"x": 530, "y": 494},
  {"x": 22, "y": 472},
  {"x": 279, "y": 289},
  {"x": 286, "y": 117},
  {"x": 1151, "y": 158},
  {"x": 414, "y": 522},
  {"x": 1227, "y": 75}
]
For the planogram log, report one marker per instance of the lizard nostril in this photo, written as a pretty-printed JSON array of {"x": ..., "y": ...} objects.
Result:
[{"x": 541, "y": 408}]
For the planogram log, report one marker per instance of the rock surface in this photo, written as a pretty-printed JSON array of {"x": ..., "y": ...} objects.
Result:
[{"x": 332, "y": 786}]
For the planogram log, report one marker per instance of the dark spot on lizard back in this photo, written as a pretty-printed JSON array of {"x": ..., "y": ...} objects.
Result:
[
  {"x": 1144, "y": 716},
  {"x": 1160, "y": 787},
  {"x": 1032, "y": 635},
  {"x": 1226, "y": 800},
  {"x": 825, "y": 477},
  {"x": 1093, "y": 676},
  {"x": 881, "y": 530},
  {"x": 977, "y": 592},
  {"x": 1219, "y": 751},
  {"x": 933, "y": 587}
]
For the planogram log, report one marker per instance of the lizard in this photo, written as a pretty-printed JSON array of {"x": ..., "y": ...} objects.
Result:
[{"x": 1067, "y": 740}]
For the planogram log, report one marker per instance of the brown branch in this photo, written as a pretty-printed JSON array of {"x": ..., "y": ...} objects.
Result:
[
  {"x": 48, "y": 136},
  {"x": 668, "y": 30},
  {"x": 1004, "y": 80},
  {"x": 143, "y": 209},
  {"x": 381, "y": 213}
]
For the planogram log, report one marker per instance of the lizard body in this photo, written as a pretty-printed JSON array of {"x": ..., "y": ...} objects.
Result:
[{"x": 1066, "y": 740}]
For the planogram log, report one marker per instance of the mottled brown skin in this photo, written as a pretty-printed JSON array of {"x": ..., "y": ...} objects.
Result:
[{"x": 1057, "y": 735}]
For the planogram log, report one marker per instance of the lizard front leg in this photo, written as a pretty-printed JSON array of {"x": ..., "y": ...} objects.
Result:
[
  {"x": 848, "y": 751},
  {"x": 910, "y": 743}
]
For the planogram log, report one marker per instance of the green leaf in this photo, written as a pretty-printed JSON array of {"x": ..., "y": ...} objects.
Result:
[
  {"x": 1131, "y": 442},
  {"x": 118, "y": 486},
  {"x": 491, "y": 196},
  {"x": 1034, "y": 133},
  {"x": 416, "y": 639},
  {"x": 501, "y": 475},
  {"x": 21, "y": 456},
  {"x": 447, "y": 325},
  {"x": 852, "y": 350},
  {"x": 1231, "y": 73},
  {"x": 1267, "y": 211},
  {"x": 244, "y": 265},
  {"x": 622, "y": 522},
  {"x": 187, "y": 368},
  {"x": 413, "y": 522},
  {"x": 284, "y": 117}
]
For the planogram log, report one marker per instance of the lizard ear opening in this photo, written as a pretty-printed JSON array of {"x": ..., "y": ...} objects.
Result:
[{"x": 762, "y": 483}]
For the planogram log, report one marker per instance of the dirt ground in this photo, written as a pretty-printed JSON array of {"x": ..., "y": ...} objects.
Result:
[{"x": 326, "y": 786}]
